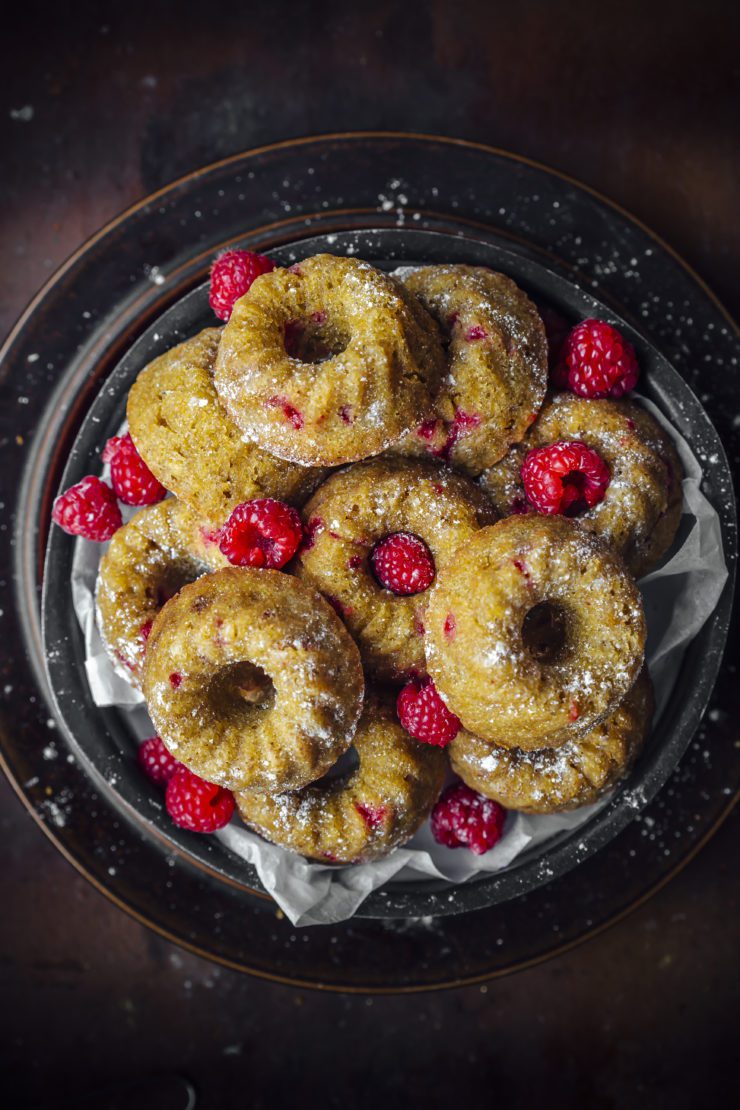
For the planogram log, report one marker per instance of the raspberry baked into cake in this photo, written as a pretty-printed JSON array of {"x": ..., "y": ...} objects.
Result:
[{"x": 382, "y": 568}]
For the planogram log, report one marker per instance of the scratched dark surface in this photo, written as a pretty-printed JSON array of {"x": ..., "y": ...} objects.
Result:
[{"x": 100, "y": 107}]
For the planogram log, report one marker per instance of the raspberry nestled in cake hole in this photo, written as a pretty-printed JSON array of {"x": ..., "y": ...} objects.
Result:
[
  {"x": 596, "y": 361},
  {"x": 157, "y": 763},
  {"x": 132, "y": 480},
  {"x": 261, "y": 533},
  {"x": 231, "y": 276},
  {"x": 197, "y": 805},
  {"x": 403, "y": 564},
  {"x": 314, "y": 339},
  {"x": 475, "y": 333},
  {"x": 464, "y": 819},
  {"x": 450, "y": 627},
  {"x": 568, "y": 478},
  {"x": 425, "y": 716},
  {"x": 89, "y": 510}
]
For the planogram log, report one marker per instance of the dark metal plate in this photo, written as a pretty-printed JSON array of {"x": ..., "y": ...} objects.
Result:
[
  {"x": 91, "y": 313},
  {"x": 107, "y": 749}
]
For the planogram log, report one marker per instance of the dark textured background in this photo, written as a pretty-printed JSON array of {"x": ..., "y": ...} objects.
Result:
[{"x": 637, "y": 100}]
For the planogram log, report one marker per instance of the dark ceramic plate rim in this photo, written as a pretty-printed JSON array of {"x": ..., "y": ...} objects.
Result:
[{"x": 679, "y": 722}]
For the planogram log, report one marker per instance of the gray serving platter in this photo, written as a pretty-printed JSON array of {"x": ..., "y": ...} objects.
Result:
[{"x": 102, "y": 738}]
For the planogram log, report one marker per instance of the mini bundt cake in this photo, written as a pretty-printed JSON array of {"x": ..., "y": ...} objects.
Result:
[
  {"x": 496, "y": 365},
  {"x": 327, "y": 362},
  {"x": 641, "y": 508},
  {"x": 365, "y": 813},
  {"x": 148, "y": 561},
  {"x": 551, "y": 780},
  {"x": 252, "y": 681},
  {"x": 535, "y": 633},
  {"x": 185, "y": 436},
  {"x": 362, "y": 513}
]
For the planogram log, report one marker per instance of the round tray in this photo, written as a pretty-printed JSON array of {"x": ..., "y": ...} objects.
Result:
[
  {"x": 107, "y": 748},
  {"x": 73, "y": 336}
]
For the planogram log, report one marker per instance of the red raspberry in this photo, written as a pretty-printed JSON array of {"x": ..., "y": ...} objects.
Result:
[
  {"x": 261, "y": 533},
  {"x": 156, "y": 762},
  {"x": 130, "y": 477},
  {"x": 596, "y": 361},
  {"x": 425, "y": 716},
  {"x": 231, "y": 275},
  {"x": 566, "y": 478},
  {"x": 403, "y": 564},
  {"x": 88, "y": 509},
  {"x": 195, "y": 804},
  {"x": 464, "y": 819}
]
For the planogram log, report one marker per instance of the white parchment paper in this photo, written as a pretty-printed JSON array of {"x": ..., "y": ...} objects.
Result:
[{"x": 679, "y": 597}]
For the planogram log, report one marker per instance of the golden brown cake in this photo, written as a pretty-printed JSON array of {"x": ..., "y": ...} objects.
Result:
[
  {"x": 361, "y": 815},
  {"x": 149, "y": 560},
  {"x": 252, "y": 681},
  {"x": 345, "y": 520},
  {"x": 188, "y": 441},
  {"x": 327, "y": 362},
  {"x": 641, "y": 509},
  {"x": 496, "y": 365},
  {"x": 535, "y": 632},
  {"x": 551, "y": 780}
]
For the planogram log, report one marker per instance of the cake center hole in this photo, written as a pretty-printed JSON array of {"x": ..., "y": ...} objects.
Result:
[
  {"x": 544, "y": 631},
  {"x": 315, "y": 339},
  {"x": 173, "y": 578},
  {"x": 244, "y": 685}
]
